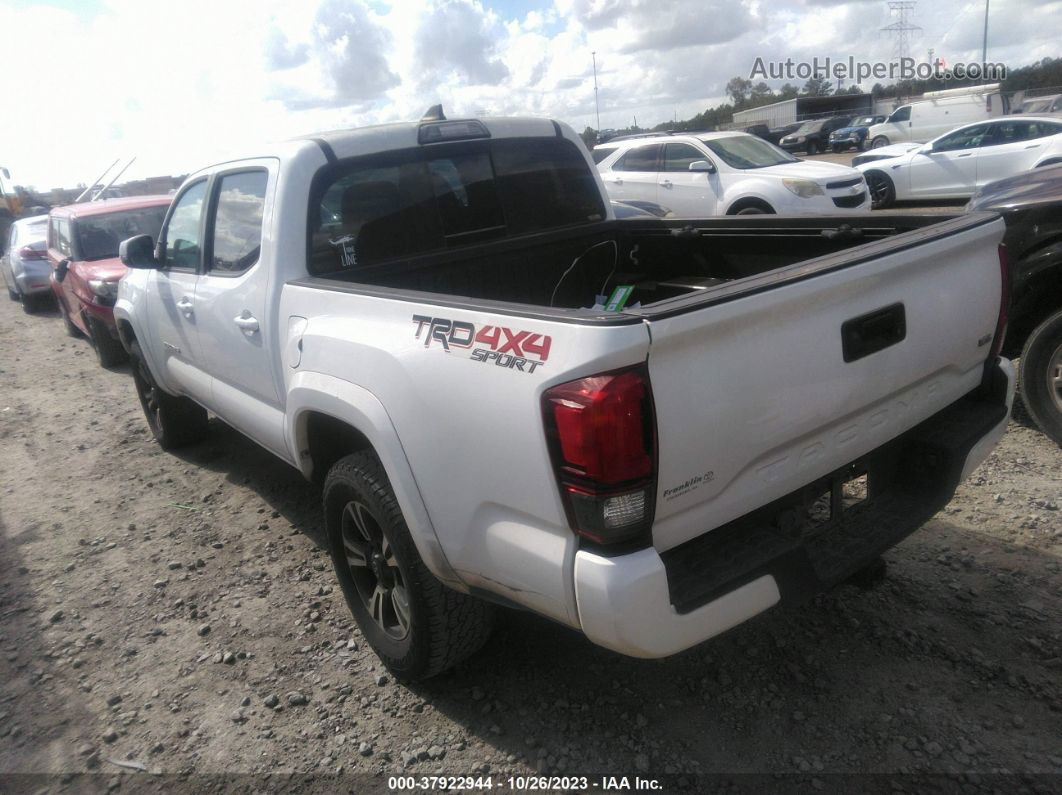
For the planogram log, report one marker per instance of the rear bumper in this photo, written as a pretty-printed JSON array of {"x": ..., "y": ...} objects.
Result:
[
  {"x": 650, "y": 604},
  {"x": 32, "y": 284}
]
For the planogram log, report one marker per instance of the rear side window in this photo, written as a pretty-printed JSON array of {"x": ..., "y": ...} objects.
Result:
[
  {"x": 237, "y": 240},
  {"x": 383, "y": 207},
  {"x": 600, "y": 154},
  {"x": 643, "y": 158}
]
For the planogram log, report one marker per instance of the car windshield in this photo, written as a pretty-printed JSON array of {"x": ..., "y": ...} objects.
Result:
[
  {"x": 747, "y": 151},
  {"x": 809, "y": 126},
  {"x": 98, "y": 236},
  {"x": 863, "y": 121},
  {"x": 1040, "y": 106}
]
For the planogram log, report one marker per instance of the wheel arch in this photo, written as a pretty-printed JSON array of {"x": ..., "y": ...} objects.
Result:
[
  {"x": 750, "y": 201},
  {"x": 328, "y": 418},
  {"x": 1040, "y": 297}
]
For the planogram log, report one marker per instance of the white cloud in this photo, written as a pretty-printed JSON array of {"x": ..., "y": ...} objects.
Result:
[{"x": 176, "y": 82}]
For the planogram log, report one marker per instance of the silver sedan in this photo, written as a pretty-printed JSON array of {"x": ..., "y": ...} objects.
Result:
[{"x": 25, "y": 266}]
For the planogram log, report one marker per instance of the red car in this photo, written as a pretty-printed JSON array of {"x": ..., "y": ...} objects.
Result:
[{"x": 83, "y": 250}]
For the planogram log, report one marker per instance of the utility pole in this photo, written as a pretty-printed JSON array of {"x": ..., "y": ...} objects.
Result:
[
  {"x": 902, "y": 29},
  {"x": 597, "y": 107},
  {"x": 984, "y": 42}
]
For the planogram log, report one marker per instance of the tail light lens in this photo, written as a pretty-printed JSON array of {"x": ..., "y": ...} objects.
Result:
[
  {"x": 27, "y": 253},
  {"x": 602, "y": 436},
  {"x": 1004, "y": 304}
]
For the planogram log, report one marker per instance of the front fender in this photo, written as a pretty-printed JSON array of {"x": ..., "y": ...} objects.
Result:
[{"x": 311, "y": 392}]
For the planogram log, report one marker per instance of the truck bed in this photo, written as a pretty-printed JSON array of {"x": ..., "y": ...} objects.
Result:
[{"x": 673, "y": 263}]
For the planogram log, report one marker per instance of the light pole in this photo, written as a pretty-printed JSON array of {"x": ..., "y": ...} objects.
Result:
[
  {"x": 597, "y": 107},
  {"x": 984, "y": 42}
]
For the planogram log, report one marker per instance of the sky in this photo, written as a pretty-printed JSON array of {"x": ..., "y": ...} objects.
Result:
[{"x": 180, "y": 83}]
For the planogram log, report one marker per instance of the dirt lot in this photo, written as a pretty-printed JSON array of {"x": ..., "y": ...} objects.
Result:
[{"x": 167, "y": 616}]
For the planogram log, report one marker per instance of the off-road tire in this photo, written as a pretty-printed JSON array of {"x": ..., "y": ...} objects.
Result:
[
  {"x": 879, "y": 142},
  {"x": 837, "y": 149},
  {"x": 813, "y": 148},
  {"x": 13, "y": 294},
  {"x": 174, "y": 421},
  {"x": 109, "y": 351},
  {"x": 1041, "y": 369},
  {"x": 444, "y": 626}
]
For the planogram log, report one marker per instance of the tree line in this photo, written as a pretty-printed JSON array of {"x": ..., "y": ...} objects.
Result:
[{"x": 744, "y": 95}]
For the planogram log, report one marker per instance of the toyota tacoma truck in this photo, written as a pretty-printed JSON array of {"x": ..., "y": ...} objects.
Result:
[{"x": 648, "y": 430}]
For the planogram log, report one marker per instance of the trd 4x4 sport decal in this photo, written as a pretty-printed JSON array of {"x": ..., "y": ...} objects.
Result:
[{"x": 514, "y": 350}]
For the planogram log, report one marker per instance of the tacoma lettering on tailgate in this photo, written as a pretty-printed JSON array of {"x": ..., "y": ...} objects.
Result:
[{"x": 513, "y": 350}]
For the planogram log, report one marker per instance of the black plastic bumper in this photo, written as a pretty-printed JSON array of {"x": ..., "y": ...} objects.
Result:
[{"x": 816, "y": 537}]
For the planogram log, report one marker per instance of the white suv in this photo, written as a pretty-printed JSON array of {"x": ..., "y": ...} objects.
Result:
[{"x": 727, "y": 173}]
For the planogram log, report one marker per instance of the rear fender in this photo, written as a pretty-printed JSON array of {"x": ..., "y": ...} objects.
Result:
[{"x": 311, "y": 392}]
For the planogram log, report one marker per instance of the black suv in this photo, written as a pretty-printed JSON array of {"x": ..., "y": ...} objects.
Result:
[{"x": 813, "y": 136}]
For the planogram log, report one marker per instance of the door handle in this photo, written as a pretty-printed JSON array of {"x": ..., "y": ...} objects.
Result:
[
  {"x": 964, "y": 155},
  {"x": 666, "y": 183},
  {"x": 185, "y": 305},
  {"x": 246, "y": 322},
  {"x": 618, "y": 181},
  {"x": 1033, "y": 146}
]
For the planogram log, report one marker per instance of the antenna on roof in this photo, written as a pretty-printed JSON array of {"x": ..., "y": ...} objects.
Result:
[
  {"x": 434, "y": 113},
  {"x": 96, "y": 181},
  {"x": 99, "y": 193}
]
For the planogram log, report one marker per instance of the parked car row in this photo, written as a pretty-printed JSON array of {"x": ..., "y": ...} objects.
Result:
[
  {"x": 70, "y": 258},
  {"x": 726, "y": 173},
  {"x": 962, "y": 160}
]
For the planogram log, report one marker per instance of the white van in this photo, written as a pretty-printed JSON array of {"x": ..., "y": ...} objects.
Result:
[{"x": 937, "y": 113}]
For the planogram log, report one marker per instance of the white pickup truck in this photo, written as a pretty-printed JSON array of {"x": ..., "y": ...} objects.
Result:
[{"x": 648, "y": 430}]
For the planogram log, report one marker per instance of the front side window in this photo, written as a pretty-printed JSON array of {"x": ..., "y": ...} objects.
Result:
[
  {"x": 966, "y": 138},
  {"x": 61, "y": 236},
  {"x": 677, "y": 157},
  {"x": 383, "y": 207},
  {"x": 98, "y": 236},
  {"x": 237, "y": 238},
  {"x": 901, "y": 114},
  {"x": 642, "y": 158},
  {"x": 183, "y": 243}
]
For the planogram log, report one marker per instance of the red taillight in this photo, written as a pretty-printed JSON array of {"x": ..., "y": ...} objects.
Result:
[
  {"x": 602, "y": 436},
  {"x": 1004, "y": 304},
  {"x": 26, "y": 253}
]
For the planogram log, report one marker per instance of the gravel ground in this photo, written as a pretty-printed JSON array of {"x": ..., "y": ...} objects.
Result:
[{"x": 176, "y": 615}]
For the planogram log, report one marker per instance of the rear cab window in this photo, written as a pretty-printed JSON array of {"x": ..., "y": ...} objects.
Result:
[{"x": 383, "y": 207}]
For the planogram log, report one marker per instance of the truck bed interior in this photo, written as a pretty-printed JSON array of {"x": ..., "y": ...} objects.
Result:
[{"x": 664, "y": 259}]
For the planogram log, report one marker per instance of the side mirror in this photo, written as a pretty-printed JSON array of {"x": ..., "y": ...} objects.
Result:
[
  {"x": 702, "y": 165},
  {"x": 61, "y": 269},
  {"x": 138, "y": 252}
]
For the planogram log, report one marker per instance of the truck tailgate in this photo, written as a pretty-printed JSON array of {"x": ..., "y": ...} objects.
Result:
[{"x": 760, "y": 394}]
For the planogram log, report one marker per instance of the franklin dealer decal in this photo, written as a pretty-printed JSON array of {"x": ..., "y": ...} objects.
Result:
[
  {"x": 689, "y": 485},
  {"x": 525, "y": 351}
]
